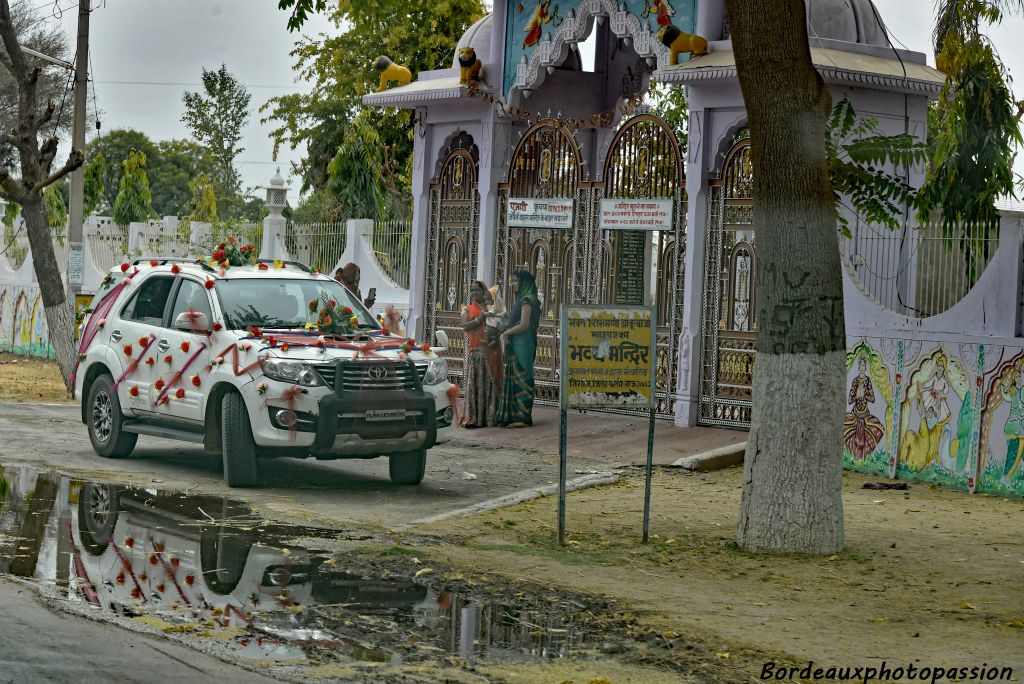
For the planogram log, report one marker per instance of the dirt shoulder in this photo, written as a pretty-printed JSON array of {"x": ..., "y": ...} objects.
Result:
[
  {"x": 27, "y": 380},
  {"x": 930, "y": 576}
]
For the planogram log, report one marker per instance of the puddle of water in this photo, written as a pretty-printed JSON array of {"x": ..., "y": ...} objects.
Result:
[{"x": 208, "y": 568}]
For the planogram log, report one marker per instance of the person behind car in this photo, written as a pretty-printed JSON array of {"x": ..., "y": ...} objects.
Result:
[{"x": 348, "y": 276}]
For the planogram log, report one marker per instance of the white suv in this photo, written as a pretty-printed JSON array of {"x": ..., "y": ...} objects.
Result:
[{"x": 233, "y": 360}]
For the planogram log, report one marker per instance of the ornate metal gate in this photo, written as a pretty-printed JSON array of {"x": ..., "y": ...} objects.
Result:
[
  {"x": 452, "y": 247},
  {"x": 545, "y": 164},
  {"x": 729, "y": 329},
  {"x": 644, "y": 162}
]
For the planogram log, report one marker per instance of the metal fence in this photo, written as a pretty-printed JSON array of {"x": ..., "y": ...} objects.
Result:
[
  {"x": 921, "y": 271},
  {"x": 392, "y": 243},
  {"x": 317, "y": 244},
  {"x": 244, "y": 234}
]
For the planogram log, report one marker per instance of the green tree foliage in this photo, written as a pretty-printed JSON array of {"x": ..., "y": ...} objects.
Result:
[
  {"x": 216, "y": 118},
  {"x": 114, "y": 148},
  {"x": 419, "y": 34},
  {"x": 170, "y": 164},
  {"x": 865, "y": 167},
  {"x": 204, "y": 199},
  {"x": 134, "y": 200},
  {"x": 975, "y": 126},
  {"x": 56, "y": 208},
  {"x": 95, "y": 179},
  {"x": 355, "y": 172},
  {"x": 670, "y": 104}
]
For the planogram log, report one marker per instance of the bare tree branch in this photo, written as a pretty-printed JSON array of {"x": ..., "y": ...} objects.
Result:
[
  {"x": 14, "y": 59},
  {"x": 51, "y": 107},
  {"x": 47, "y": 153},
  {"x": 75, "y": 159}
]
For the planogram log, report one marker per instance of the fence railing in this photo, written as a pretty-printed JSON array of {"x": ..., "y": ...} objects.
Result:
[
  {"x": 316, "y": 244},
  {"x": 919, "y": 271},
  {"x": 392, "y": 242}
]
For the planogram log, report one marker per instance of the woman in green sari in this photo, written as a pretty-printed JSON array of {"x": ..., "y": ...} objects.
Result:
[{"x": 515, "y": 405}]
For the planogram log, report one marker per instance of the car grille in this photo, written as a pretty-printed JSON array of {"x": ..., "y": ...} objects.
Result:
[{"x": 366, "y": 375}]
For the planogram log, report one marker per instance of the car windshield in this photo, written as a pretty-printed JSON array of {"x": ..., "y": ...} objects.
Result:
[{"x": 282, "y": 303}]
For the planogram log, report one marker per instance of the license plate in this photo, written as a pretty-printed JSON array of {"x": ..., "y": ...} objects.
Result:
[{"x": 385, "y": 414}]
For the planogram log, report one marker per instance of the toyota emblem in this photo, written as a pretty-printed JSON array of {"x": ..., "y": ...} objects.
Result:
[{"x": 377, "y": 372}]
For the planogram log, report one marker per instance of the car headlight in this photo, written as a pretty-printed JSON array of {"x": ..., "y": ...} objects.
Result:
[
  {"x": 437, "y": 371},
  {"x": 295, "y": 372}
]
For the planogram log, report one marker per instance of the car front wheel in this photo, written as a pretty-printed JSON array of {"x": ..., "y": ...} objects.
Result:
[
  {"x": 237, "y": 444},
  {"x": 104, "y": 418},
  {"x": 407, "y": 468}
]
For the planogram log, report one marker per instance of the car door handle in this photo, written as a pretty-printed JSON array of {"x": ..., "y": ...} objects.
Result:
[
  {"x": 163, "y": 345},
  {"x": 116, "y": 336}
]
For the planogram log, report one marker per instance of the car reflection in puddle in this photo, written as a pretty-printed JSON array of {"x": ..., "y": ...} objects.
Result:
[{"x": 208, "y": 568}]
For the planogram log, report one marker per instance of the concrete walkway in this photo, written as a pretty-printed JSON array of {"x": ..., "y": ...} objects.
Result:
[{"x": 608, "y": 438}]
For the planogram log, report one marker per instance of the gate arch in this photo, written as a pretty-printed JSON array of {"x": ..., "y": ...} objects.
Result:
[
  {"x": 452, "y": 246},
  {"x": 546, "y": 163},
  {"x": 729, "y": 327},
  {"x": 644, "y": 161}
]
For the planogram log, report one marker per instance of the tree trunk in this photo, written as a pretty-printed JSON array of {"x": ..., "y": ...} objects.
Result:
[
  {"x": 59, "y": 313},
  {"x": 792, "y": 487}
]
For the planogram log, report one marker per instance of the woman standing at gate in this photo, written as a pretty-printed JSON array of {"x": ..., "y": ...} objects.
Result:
[
  {"x": 481, "y": 384},
  {"x": 515, "y": 407}
]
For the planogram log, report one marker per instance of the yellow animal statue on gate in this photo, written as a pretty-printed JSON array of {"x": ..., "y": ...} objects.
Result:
[
  {"x": 679, "y": 42},
  {"x": 470, "y": 66},
  {"x": 389, "y": 71}
]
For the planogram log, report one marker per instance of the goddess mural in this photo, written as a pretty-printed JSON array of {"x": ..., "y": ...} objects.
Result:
[{"x": 861, "y": 431}]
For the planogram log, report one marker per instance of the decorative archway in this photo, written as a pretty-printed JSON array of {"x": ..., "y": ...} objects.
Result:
[
  {"x": 644, "y": 162},
  {"x": 452, "y": 246},
  {"x": 729, "y": 325},
  {"x": 546, "y": 164}
]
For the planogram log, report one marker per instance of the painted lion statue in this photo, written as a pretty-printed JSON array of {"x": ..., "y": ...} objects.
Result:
[
  {"x": 470, "y": 66},
  {"x": 389, "y": 71}
]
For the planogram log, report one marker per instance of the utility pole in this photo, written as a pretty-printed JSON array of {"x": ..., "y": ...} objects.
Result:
[{"x": 77, "y": 204}]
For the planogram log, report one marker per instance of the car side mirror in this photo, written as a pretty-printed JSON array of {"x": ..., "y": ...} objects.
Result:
[
  {"x": 192, "y": 321},
  {"x": 442, "y": 340}
]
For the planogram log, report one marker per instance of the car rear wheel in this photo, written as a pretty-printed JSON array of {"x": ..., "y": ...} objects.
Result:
[
  {"x": 104, "y": 418},
  {"x": 237, "y": 444},
  {"x": 407, "y": 468}
]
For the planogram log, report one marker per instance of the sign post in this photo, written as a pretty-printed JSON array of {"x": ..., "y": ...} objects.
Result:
[{"x": 608, "y": 360}]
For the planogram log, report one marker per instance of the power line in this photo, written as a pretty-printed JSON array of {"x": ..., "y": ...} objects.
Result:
[{"x": 198, "y": 85}]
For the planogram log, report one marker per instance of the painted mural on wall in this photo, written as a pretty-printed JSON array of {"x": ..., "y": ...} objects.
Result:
[
  {"x": 1001, "y": 463},
  {"x": 937, "y": 421},
  {"x": 23, "y": 327},
  {"x": 951, "y": 414},
  {"x": 868, "y": 421},
  {"x": 531, "y": 22}
]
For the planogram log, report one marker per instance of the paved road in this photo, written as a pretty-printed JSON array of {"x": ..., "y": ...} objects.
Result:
[
  {"x": 355, "y": 492},
  {"x": 92, "y": 651}
]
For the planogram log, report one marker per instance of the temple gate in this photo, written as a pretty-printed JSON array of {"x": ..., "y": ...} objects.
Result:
[
  {"x": 452, "y": 247},
  {"x": 729, "y": 326}
]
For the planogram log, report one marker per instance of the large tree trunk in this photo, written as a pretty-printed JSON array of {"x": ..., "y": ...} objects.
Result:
[
  {"x": 792, "y": 488},
  {"x": 59, "y": 312}
]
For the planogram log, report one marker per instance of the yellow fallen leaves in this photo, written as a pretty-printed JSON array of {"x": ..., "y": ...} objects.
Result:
[
  {"x": 723, "y": 655},
  {"x": 423, "y": 571},
  {"x": 966, "y": 606}
]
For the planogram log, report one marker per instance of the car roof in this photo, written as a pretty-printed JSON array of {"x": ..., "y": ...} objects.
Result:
[{"x": 288, "y": 270}]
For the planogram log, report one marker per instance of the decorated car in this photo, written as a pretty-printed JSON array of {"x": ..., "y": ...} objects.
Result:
[{"x": 255, "y": 359}]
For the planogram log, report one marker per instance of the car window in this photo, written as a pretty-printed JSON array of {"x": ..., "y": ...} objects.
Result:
[
  {"x": 282, "y": 303},
  {"x": 148, "y": 304},
  {"x": 191, "y": 296}
]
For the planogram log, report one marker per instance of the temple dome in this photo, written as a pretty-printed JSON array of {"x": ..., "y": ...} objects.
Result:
[
  {"x": 478, "y": 37},
  {"x": 852, "y": 21}
]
